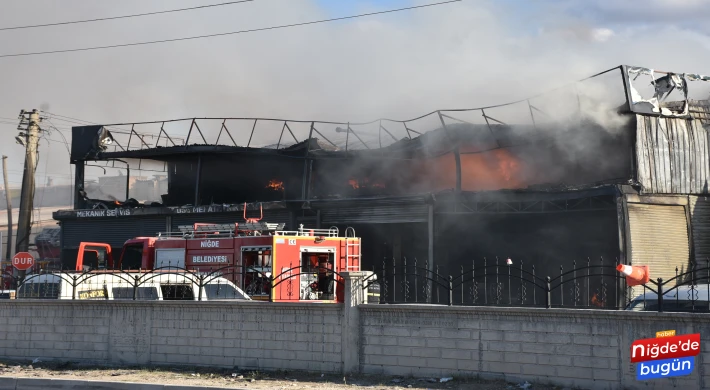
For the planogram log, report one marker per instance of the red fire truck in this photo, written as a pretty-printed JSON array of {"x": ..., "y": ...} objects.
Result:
[{"x": 261, "y": 258}]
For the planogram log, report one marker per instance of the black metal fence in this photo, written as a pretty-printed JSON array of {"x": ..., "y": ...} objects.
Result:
[
  {"x": 587, "y": 284},
  {"x": 232, "y": 282}
]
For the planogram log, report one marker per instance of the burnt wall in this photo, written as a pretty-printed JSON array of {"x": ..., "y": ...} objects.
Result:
[
  {"x": 550, "y": 242},
  {"x": 546, "y": 240},
  {"x": 234, "y": 179},
  {"x": 504, "y": 157},
  {"x": 387, "y": 242},
  {"x": 518, "y": 158}
]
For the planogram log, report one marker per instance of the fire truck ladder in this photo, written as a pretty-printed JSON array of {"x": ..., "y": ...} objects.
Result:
[
  {"x": 352, "y": 249},
  {"x": 210, "y": 230}
]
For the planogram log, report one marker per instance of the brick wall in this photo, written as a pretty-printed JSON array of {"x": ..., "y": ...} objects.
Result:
[
  {"x": 585, "y": 348},
  {"x": 247, "y": 335}
]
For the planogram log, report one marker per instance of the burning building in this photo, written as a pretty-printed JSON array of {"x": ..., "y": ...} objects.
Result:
[{"x": 620, "y": 175}]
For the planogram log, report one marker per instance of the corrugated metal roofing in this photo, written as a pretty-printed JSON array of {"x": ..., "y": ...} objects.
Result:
[{"x": 673, "y": 154}]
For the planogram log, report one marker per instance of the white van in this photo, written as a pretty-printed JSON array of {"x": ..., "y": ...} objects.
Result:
[
  {"x": 680, "y": 299},
  {"x": 158, "y": 286}
]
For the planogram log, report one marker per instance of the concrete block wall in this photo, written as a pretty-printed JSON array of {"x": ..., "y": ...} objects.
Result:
[
  {"x": 589, "y": 349},
  {"x": 248, "y": 335},
  {"x": 585, "y": 348}
]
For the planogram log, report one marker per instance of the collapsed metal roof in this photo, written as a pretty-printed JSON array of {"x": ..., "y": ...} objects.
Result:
[{"x": 325, "y": 138}]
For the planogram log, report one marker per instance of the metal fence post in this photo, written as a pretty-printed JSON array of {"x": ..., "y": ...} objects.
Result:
[
  {"x": 383, "y": 283},
  {"x": 135, "y": 287},
  {"x": 199, "y": 286},
  {"x": 451, "y": 290},
  {"x": 271, "y": 288},
  {"x": 660, "y": 295},
  {"x": 73, "y": 287},
  {"x": 548, "y": 295}
]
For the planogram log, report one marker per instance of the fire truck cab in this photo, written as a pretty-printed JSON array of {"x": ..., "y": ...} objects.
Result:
[{"x": 260, "y": 258}]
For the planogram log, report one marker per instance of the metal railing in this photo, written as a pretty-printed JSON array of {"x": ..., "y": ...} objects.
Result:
[
  {"x": 228, "y": 230},
  {"x": 589, "y": 284},
  {"x": 173, "y": 282},
  {"x": 333, "y": 231}
]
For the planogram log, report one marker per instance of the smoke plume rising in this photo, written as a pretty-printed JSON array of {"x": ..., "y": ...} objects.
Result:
[{"x": 399, "y": 66}]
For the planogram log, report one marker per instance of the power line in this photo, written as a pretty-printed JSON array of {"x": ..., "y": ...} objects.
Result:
[
  {"x": 83, "y": 122},
  {"x": 72, "y": 119},
  {"x": 229, "y": 33},
  {"x": 125, "y": 16},
  {"x": 60, "y": 134}
]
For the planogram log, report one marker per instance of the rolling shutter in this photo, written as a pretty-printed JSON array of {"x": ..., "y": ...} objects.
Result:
[
  {"x": 114, "y": 231},
  {"x": 111, "y": 231},
  {"x": 375, "y": 212},
  {"x": 659, "y": 239},
  {"x": 700, "y": 218}
]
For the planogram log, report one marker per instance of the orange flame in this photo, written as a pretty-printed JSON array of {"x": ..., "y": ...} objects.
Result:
[
  {"x": 596, "y": 301},
  {"x": 275, "y": 185},
  {"x": 487, "y": 171},
  {"x": 355, "y": 184}
]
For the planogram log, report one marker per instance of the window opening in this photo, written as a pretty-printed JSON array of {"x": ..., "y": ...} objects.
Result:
[
  {"x": 132, "y": 257},
  {"x": 317, "y": 277},
  {"x": 177, "y": 292},
  {"x": 257, "y": 268}
]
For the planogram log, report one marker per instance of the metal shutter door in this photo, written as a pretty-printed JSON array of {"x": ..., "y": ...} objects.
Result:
[
  {"x": 375, "y": 212},
  {"x": 150, "y": 227},
  {"x": 114, "y": 232},
  {"x": 659, "y": 239},
  {"x": 700, "y": 217}
]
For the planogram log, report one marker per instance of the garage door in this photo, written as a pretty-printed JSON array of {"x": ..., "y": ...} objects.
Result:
[{"x": 659, "y": 239}]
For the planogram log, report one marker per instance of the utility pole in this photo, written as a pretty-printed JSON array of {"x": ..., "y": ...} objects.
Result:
[
  {"x": 31, "y": 141},
  {"x": 8, "y": 199}
]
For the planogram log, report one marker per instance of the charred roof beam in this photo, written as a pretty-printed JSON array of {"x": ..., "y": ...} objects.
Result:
[
  {"x": 137, "y": 135},
  {"x": 457, "y": 161},
  {"x": 223, "y": 128},
  {"x": 490, "y": 130},
  {"x": 161, "y": 132},
  {"x": 324, "y": 137},
  {"x": 189, "y": 133}
]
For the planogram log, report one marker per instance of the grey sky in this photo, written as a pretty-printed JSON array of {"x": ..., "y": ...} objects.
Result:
[{"x": 401, "y": 65}]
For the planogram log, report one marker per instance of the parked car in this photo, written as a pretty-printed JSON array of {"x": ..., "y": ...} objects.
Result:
[
  {"x": 115, "y": 286},
  {"x": 681, "y": 299}
]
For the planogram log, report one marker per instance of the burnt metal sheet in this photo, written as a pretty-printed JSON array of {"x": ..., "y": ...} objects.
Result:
[
  {"x": 122, "y": 213},
  {"x": 270, "y": 216},
  {"x": 113, "y": 232},
  {"x": 700, "y": 217},
  {"x": 382, "y": 211},
  {"x": 659, "y": 238},
  {"x": 673, "y": 154}
]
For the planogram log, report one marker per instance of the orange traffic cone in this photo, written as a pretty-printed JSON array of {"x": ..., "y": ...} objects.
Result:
[{"x": 636, "y": 275}]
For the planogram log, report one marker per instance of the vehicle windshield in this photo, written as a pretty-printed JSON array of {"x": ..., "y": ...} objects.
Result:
[
  {"x": 179, "y": 292},
  {"x": 671, "y": 305},
  {"x": 142, "y": 293},
  {"x": 222, "y": 291},
  {"x": 39, "y": 290},
  {"x": 132, "y": 257}
]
